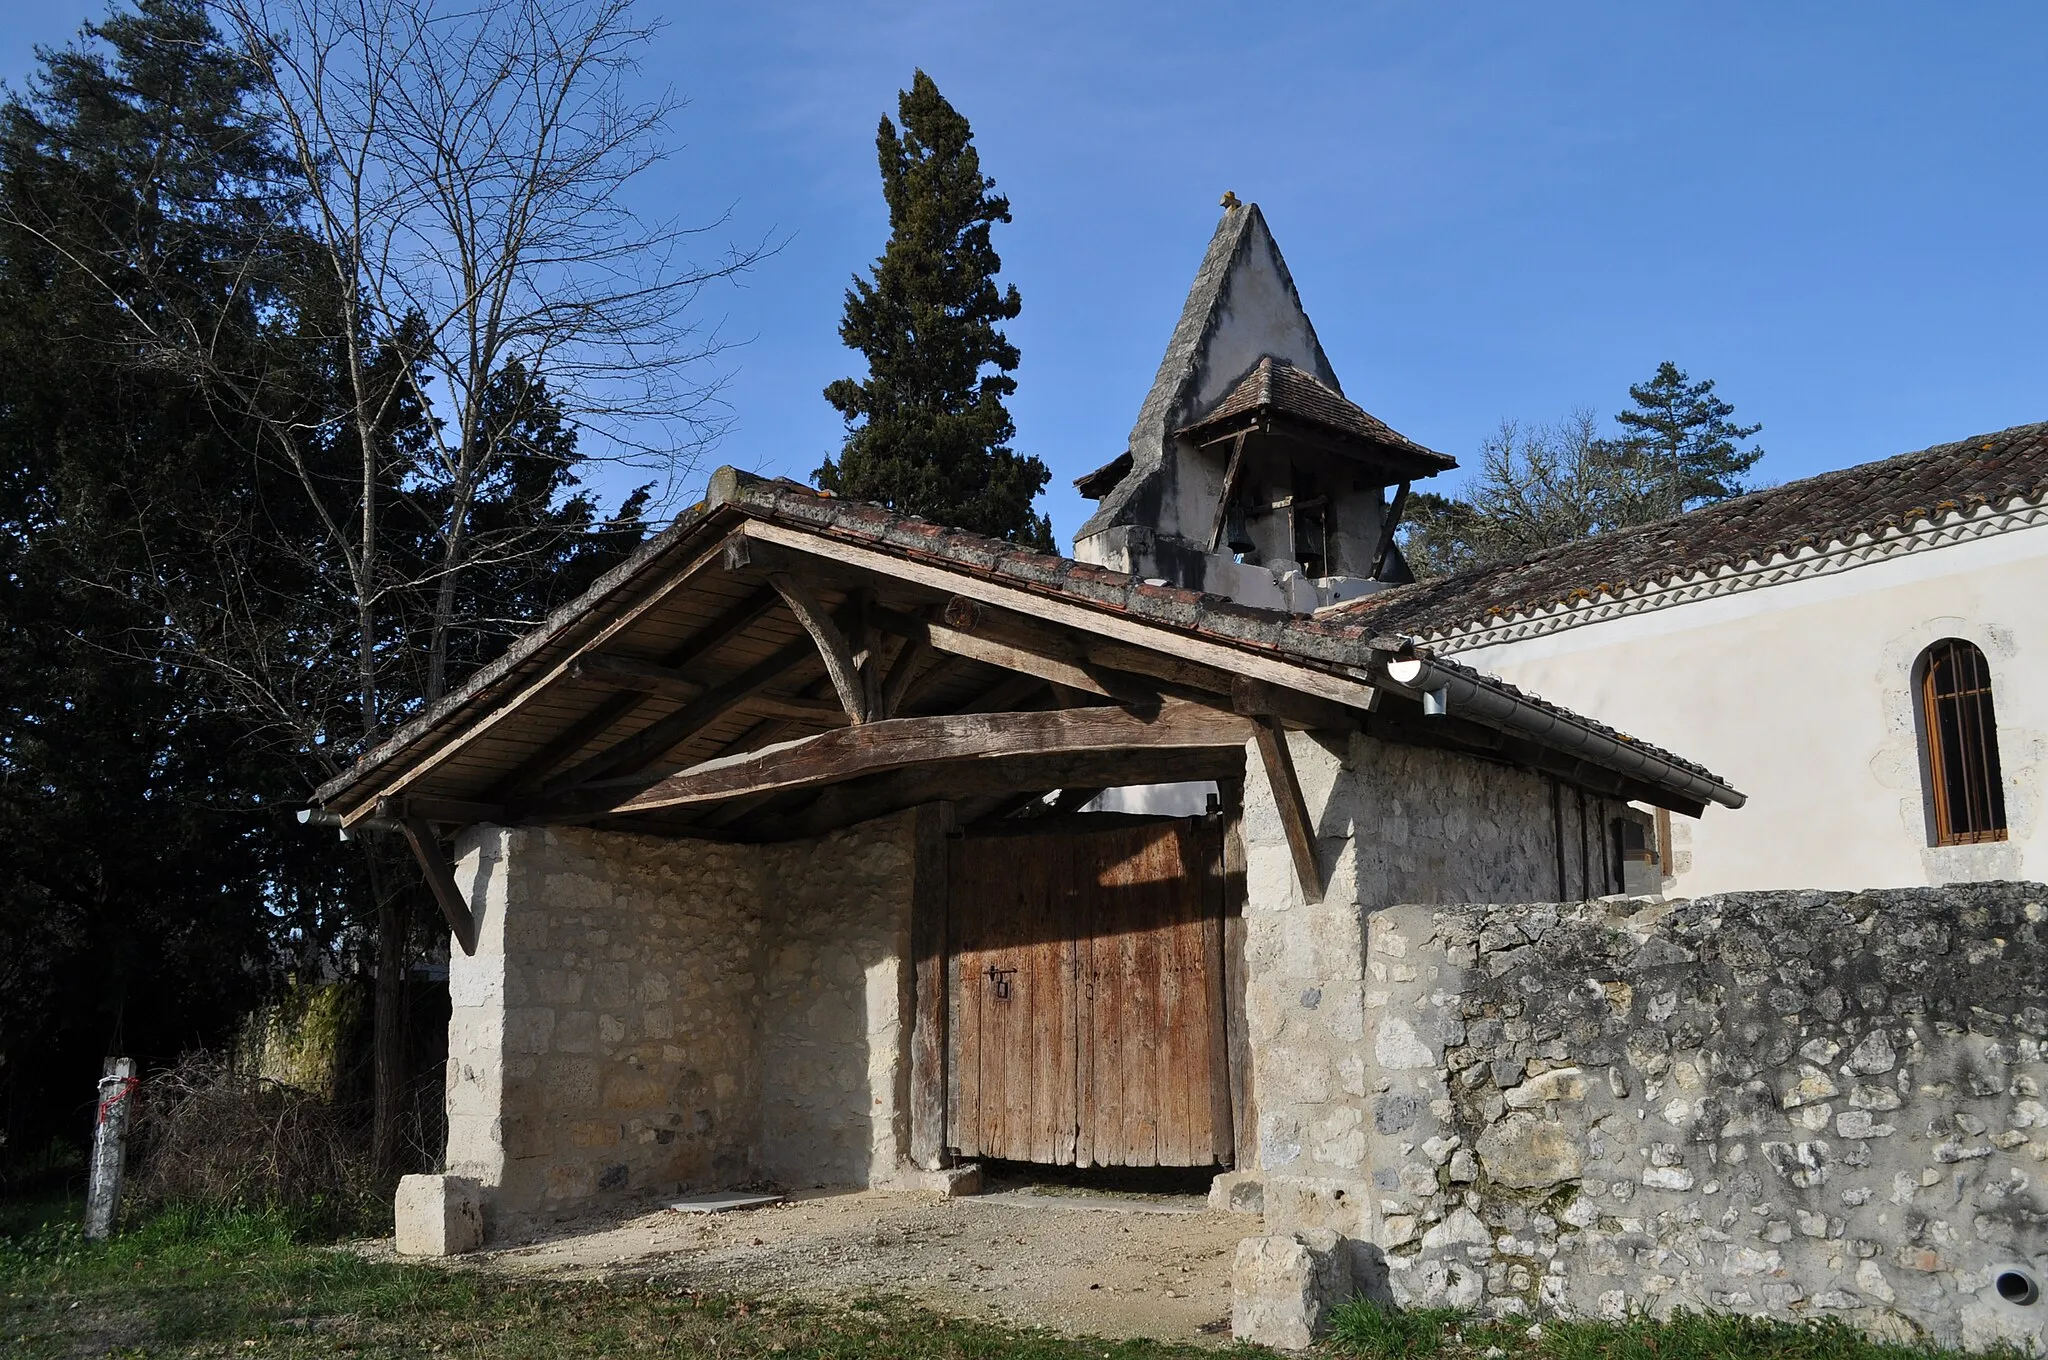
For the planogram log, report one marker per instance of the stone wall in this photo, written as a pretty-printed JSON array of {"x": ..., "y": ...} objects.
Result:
[
  {"x": 645, "y": 1015},
  {"x": 602, "y": 1041},
  {"x": 1778, "y": 1103},
  {"x": 835, "y": 1052},
  {"x": 1393, "y": 824}
]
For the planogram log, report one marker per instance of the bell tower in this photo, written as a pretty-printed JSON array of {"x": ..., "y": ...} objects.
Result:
[{"x": 1249, "y": 473}]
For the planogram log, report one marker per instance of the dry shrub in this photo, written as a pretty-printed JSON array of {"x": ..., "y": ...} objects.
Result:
[{"x": 208, "y": 1134}]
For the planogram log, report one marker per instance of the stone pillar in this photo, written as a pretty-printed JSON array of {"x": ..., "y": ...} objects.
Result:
[{"x": 1304, "y": 997}]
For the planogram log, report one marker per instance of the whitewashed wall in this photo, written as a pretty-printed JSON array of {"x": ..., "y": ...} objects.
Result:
[{"x": 1801, "y": 695}]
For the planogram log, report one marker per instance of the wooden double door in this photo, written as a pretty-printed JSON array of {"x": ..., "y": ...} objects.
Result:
[{"x": 1086, "y": 1002}]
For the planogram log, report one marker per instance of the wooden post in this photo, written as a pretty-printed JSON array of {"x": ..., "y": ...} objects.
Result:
[
  {"x": 109, "y": 1147},
  {"x": 929, "y": 946}
]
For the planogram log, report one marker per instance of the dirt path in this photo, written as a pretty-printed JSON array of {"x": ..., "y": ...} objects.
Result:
[{"x": 1120, "y": 1269}]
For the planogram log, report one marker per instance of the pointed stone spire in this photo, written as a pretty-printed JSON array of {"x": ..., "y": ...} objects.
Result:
[
  {"x": 1246, "y": 422},
  {"x": 1243, "y": 307}
]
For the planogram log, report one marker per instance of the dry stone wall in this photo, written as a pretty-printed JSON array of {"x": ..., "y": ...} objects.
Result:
[
  {"x": 1393, "y": 824},
  {"x": 1791, "y": 1104}
]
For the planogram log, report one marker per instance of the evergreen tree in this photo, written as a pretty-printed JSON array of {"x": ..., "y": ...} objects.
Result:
[
  {"x": 933, "y": 435},
  {"x": 1681, "y": 447},
  {"x": 151, "y": 868},
  {"x": 1549, "y": 485}
]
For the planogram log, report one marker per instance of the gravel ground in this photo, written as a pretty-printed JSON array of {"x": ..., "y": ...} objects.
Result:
[{"x": 1116, "y": 1266}]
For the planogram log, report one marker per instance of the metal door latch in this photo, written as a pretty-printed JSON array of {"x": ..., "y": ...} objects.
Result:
[{"x": 1001, "y": 978}]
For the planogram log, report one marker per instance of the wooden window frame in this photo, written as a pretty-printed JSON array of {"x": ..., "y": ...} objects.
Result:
[{"x": 1968, "y": 802}]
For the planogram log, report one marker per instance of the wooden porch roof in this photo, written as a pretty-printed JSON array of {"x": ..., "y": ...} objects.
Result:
[{"x": 779, "y": 663}]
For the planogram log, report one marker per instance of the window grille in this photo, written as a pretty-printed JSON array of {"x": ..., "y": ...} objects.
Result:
[{"x": 1962, "y": 744}]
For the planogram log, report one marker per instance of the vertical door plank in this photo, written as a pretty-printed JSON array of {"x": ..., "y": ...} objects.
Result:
[
  {"x": 928, "y": 1042},
  {"x": 1166, "y": 889},
  {"x": 1140, "y": 1025},
  {"x": 1210, "y": 877}
]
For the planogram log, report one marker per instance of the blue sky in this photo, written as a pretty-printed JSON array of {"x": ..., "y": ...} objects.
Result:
[{"x": 1836, "y": 211}]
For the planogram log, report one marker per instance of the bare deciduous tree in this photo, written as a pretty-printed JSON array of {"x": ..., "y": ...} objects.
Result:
[{"x": 467, "y": 173}]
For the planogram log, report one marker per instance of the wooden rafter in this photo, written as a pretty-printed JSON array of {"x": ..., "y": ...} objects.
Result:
[
  {"x": 647, "y": 746},
  {"x": 897, "y": 743},
  {"x": 517, "y": 701},
  {"x": 1089, "y": 622},
  {"x": 902, "y": 671},
  {"x": 651, "y": 678},
  {"x": 579, "y": 734}
]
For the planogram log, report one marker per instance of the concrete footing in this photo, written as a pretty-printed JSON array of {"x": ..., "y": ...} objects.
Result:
[
  {"x": 1283, "y": 1288},
  {"x": 439, "y": 1215}
]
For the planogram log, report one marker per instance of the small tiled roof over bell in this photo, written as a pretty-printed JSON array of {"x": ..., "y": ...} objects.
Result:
[
  {"x": 1276, "y": 388},
  {"x": 1948, "y": 482}
]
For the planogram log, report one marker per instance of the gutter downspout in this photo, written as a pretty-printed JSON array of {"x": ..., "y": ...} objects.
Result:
[{"x": 1442, "y": 689}]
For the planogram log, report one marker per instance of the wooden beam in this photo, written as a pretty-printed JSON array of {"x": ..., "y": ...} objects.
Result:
[
  {"x": 1257, "y": 699},
  {"x": 441, "y": 881},
  {"x": 701, "y": 646},
  {"x": 831, "y": 757},
  {"x": 447, "y": 811},
  {"x": 901, "y": 672},
  {"x": 830, "y": 642},
  {"x": 1049, "y": 659},
  {"x": 1117, "y": 669},
  {"x": 928, "y": 1043},
  {"x": 1230, "y": 475},
  {"x": 1294, "y": 818},
  {"x": 1069, "y": 614},
  {"x": 841, "y": 805}
]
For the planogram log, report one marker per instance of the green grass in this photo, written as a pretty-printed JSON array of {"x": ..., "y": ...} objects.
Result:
[
  {"x": 194, "y": 1283},
  {"x": 202, "y": 1283},
  {"x": 1362, "y": 1329}
]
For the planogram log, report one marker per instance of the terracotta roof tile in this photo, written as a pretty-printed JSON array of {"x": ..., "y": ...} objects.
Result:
[
  {"x": 1276, "y": 385},
  {"x": 1835, "y": 507}
]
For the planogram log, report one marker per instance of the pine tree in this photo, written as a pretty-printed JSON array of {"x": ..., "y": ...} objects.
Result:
[
  {"x": 927, "y": 431},
  {"x": 1544, "y": 486},
  {"x": 1681, "y": 448}
]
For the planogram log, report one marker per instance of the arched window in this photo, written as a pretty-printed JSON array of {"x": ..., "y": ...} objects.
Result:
[{"x": 1961, "y": 732}]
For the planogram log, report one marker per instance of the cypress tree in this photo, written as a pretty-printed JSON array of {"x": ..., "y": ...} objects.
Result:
[{"x": 927, "y": 431}]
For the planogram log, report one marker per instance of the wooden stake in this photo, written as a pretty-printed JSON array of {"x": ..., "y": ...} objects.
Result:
[{"x": 109, "y": 1147}]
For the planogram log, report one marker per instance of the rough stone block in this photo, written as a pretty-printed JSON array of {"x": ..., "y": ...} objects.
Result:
[
  {"x": 1237, "y": 1192},
  {"x": 952, "y": 1182},
  {"x": 1283, "y": 1288},
  {"x": 439, "y": 1215}
]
